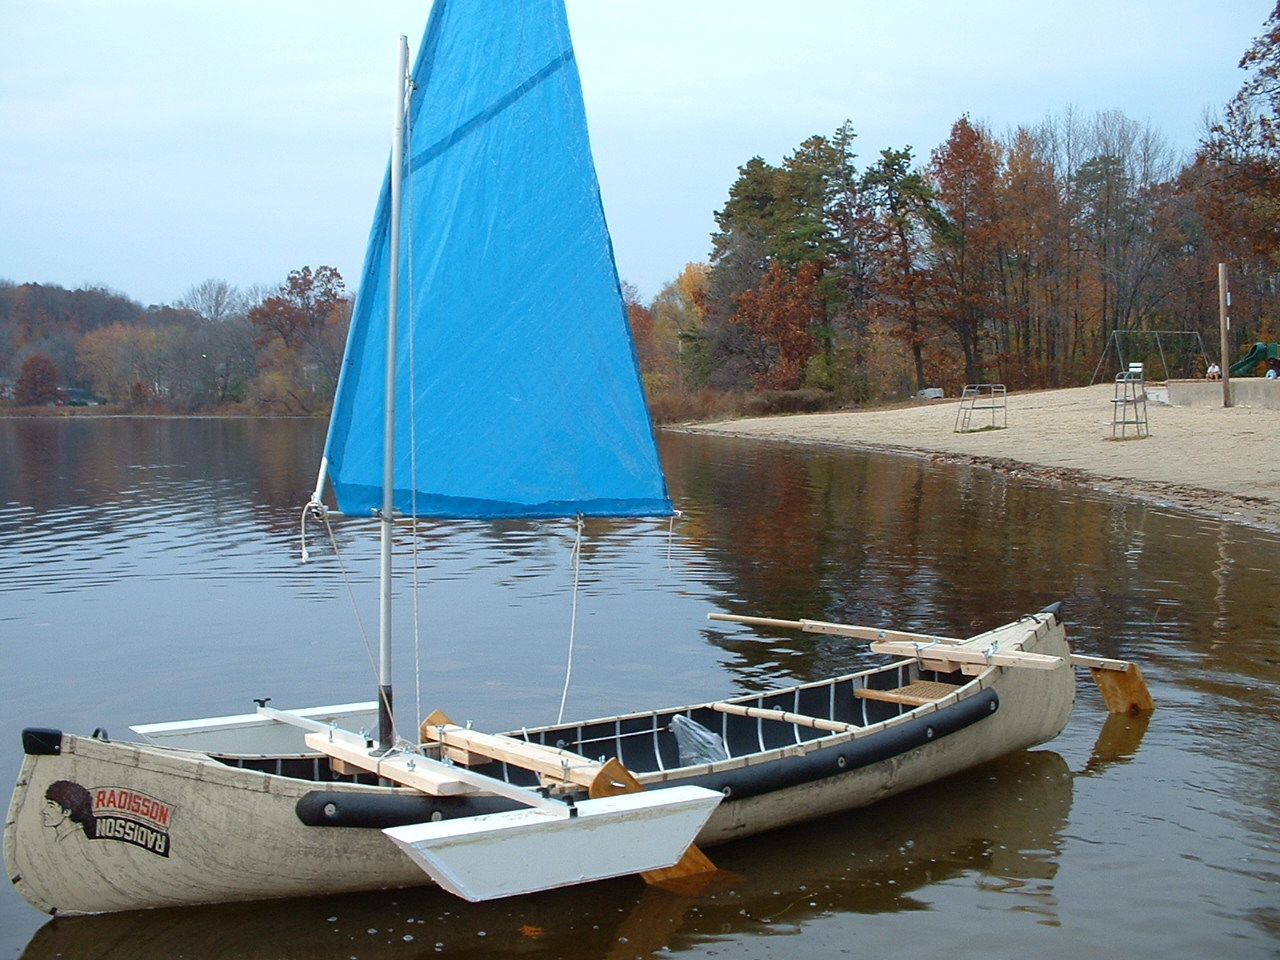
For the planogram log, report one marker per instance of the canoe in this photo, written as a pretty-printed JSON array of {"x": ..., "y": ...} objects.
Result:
[{"x": 241, "y": 808}]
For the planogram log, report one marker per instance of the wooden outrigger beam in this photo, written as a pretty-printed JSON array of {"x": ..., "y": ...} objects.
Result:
[{"x": 941, "y": 651}]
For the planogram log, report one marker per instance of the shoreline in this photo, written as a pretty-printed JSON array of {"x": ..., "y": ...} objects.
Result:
[{"x": 1221, "y": 463}]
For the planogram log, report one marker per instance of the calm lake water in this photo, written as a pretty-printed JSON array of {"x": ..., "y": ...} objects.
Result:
[{"x": 149, "y": 571}]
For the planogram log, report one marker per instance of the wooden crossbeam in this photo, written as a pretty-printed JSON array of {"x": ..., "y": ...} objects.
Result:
[
  {"x": 425, "y": 774},
  {"x": 833, "y": 629},
  {"x": 428, "y": 776},
  {"x": 471, "y": 746},
  {"x": 948, "y": 653}
]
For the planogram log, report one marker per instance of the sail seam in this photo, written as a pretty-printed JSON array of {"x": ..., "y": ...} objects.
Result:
[{"x": 464, "y": 130}]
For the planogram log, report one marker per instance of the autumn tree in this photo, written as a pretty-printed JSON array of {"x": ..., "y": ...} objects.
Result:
[
  {"x": 1235, "y": 185},
  {"x": 301, "y": 333},
  {"x": 680, "y": 328},
  {"x": 802, "y": 214},
  {"x": 1031, "y": 289},
  {"x": 904, "y": 214},
  {"x": 967, "y": 240},
  {"x": 126, "y": 363},
  {"x": 37, "y": 384},
  {"x": 781, "y": 317}
]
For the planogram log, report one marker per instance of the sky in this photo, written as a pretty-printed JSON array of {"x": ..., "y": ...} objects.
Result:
[{"x": 149, "y": 145}]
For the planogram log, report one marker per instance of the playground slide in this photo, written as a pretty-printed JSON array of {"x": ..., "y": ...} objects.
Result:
[{"x": 1259, "y": 353}]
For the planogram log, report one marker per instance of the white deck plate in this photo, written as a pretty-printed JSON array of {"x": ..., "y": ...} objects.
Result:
[{"x": 523, "y": 851}]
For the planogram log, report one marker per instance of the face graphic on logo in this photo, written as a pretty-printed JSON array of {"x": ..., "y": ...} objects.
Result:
[{"x": 67, "y": 805}]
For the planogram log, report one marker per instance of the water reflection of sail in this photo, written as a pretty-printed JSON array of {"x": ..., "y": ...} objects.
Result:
[{"x": 1001, "y": 823}]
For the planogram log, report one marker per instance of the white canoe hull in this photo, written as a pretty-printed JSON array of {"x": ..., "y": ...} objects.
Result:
[{"x": 177, "y": 827}]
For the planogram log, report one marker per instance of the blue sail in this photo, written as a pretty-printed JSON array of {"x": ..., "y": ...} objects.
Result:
[{"x": 514, "y": 357}]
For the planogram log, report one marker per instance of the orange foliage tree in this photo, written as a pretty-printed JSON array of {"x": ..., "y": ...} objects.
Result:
[
  {"x": 301, "y": 333},
  {"x": 967, "y": 241},
  {"x": 38, "y": 382},
  {"x": 781, "y": 316}
]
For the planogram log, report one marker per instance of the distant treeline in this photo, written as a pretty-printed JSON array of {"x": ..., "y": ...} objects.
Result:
[
  {"x": 1015, "y": 258},
  {"x": 218, "y": 347}
]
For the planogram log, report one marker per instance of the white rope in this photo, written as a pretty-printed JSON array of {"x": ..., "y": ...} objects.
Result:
[
  {"x": 671, "y": 533},
  {"x": 351, "y": 595},
  {"x": 302, "y": 525},
  {"x": 573, "y": 620}
]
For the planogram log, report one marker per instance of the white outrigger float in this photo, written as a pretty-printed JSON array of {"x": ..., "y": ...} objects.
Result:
[{"x": 519, "y": 375}]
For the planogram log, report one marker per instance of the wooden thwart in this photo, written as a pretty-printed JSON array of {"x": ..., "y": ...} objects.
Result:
[
  {"x": 783, "y": 716},
  {"x": 914, "y": 694}
]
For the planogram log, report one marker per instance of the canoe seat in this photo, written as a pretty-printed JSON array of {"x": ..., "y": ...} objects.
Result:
[{"x": 915, "y": 694}]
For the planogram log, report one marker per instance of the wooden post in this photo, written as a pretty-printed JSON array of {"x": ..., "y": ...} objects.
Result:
[{"x": 1224, "y": 329}]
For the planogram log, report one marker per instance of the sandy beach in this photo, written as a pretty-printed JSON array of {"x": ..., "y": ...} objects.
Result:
[{"x": 1222, "y": 462}]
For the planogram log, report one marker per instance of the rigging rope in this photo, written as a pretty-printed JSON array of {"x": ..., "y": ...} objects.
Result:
[
  {"x": 671, "y": 533},
  {"x": 321, "y": 512},
  {"x": 573, "y": 619}
]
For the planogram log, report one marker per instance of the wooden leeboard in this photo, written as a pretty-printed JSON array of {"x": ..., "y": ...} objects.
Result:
[
  {"x": 1124, "y": 691},
  {"x": 615, "y": 780}
]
